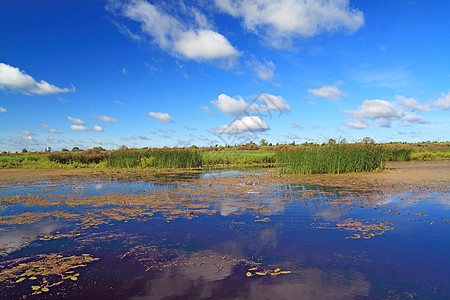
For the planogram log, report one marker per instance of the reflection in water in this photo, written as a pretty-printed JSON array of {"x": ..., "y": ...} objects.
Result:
[{"x": 197, "y": 236}]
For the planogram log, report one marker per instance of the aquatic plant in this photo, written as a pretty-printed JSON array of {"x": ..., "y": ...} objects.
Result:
[
  {"x": 333, "y": 158},
  {"x": 155, "y": 158}
]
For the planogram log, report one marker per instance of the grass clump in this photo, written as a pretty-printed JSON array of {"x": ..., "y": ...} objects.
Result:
[
  {"x": 80, "y": 157},
  {"x": 333, "y": 158},
  {"x": 238, "y": 158},
  {"x": 155, "y": 158}
]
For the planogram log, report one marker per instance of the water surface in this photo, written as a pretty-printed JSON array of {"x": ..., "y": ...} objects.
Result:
[{"x": 221, "y": 235}]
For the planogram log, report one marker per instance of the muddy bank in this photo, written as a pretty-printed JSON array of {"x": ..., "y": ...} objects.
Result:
[{"x": 404, "y": 175}]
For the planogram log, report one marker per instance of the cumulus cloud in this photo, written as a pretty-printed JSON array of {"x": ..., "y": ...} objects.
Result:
[
  {"x": 246, "y": 124},
  {"x": 264, "y": 70},
  {"x": 2, "y": 110},
  {"x": 238, "y": 106},
  {"x": 162, "y": 117},
  {"x": 232, "y": 106},
  {"x": 443, "y": 102},
  {"x": 329, "y": 92},
  {"x": 76, "y": 121},
  {"x": 357, "y": 124},
  {"x": 78, "y": 128},
  {"x": 17, "y": 80},
  {"x": 84, "y": 128},
  {"x": 26, "y": 132},
  {"x": 189, "y": 36},
  {"x": 107, "y": 119},
  {"x": 274, "y": 103},
  {"x": 278, "y": 21},
  {"x": 415, "y": 119},
  {"x": 51, "y": 129},
  {"x": 381, "y": 111},
  {"x": 411, "y": 104},
  {"x": 97, "y": 128}
]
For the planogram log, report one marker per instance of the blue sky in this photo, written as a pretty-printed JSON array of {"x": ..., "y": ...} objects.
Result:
[{"x": 171, "y": 73}]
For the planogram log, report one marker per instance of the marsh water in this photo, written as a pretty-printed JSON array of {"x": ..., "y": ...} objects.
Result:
[{"x": 221, "y": 235}]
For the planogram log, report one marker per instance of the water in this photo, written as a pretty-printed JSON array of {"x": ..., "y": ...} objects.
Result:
[{"x": 221, "y": 235}]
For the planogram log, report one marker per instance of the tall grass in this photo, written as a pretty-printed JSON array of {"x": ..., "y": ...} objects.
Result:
[
  {"x": 238, "y": 158},
  {"x": 80, "y": 157},
  {"x": 333, "y": 159},
  {"x": 154, "y": 158}
]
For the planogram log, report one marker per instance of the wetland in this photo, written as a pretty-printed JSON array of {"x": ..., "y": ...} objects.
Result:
[{"x": 225, "y": 234}]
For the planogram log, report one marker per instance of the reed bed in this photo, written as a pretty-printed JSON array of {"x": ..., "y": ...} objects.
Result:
[
  {"x": 333, "y": 159},
  {"x": 238, "y": 158},
  {"x": 155, "y": 158},
  {"x": 80, "y": 157}
]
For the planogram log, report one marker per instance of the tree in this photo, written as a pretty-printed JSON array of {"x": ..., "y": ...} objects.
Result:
[
  {"x": 48, "y": 149},
  {"x": 331, "y": 142},
  {"x": 263, "y": 142},
  {"x": 24, "y": 150},
  {"x": 368, "y": 140},
  {"x": 75, "y": 149}
]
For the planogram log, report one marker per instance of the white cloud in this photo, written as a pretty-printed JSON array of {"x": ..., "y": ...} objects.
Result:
[
  {"x": 206, "y": 109},
  {"x": 78, "y": 128},
  {"x": 295, "y": 125},
  {"x": 84, "y": 128},
  {"x": 357, "y": 124},
  {"x": 381, "y": 111},
  {"x": 264, "y": 70},
  {"x": 275, "y": 103},
  {"x": 2, "y": 110},
  {"x": 443, "y": 102},
  {"x": 97, "y": 128},
  {"x": 279, "y": 20},
  {"x": 15, "y": 79},
  {"x": 162, "y": 117},
  {"x": 329, "y": 92},
  {"x": 54, "y": 141},
  {"x": 204, "y": 45},
  {"x": 191, "y": 38},
  {"x": 190, "y": 127},
  {"x": 26, "y": 132},
  {"x": 51, "y": 129},
  {"x": 238, "y": 106},
  {"x": 232, "y": 106},
  {"x": 124, "y": 71},
  {"x": 107, "y": 119},
  {"x": 118, "y": 102},
  {"x": 142, "y": 137},
  {"x": 411, "y": 104},
  {"x": 246, "y": 124},
  {"x": 76, "y": 121},
  {"x": 415, "y": 119},
  {"x": 98, "y": 142}
]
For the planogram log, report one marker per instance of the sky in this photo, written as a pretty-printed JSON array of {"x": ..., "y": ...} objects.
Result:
[{"x": 144, "y": 73}]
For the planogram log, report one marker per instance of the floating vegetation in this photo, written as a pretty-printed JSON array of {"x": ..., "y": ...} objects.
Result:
[
  {"x": 360, "y": 228},
  {"x": 263, "y": 272},
  {"x": 44, "y": 271}
]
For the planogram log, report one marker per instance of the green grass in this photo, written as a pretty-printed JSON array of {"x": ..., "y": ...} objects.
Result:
[
  {"x": 238, "y": 158},
  {"x": 155, "y": 158},
  {"x": 333, "y": 159}
]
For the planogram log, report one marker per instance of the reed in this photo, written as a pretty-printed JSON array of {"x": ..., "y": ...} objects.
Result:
[
  {"x": 333, "y": 159},
  {"x": 238, "y": 158},
  {"x": 154, "y": 158}
]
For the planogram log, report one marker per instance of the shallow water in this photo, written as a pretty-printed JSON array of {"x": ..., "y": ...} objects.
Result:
[{"x": 221, "y": 235}]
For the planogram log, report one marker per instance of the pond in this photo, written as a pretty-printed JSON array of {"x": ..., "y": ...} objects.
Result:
[{"x": 220, "y": 235}]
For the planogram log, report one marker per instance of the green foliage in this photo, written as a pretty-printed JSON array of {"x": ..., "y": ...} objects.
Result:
[
  {"x": 84, "y": 157},
  {"x": 333, "y": 158},
  {"x": 238, "y": 158},
  {"x": 154, "y": 158}
]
